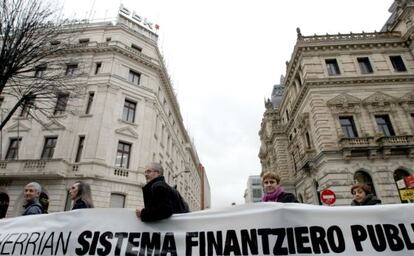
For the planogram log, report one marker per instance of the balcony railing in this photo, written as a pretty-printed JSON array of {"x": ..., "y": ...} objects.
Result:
[
  {"x": 50, "y": 168},
  {"x": 359, "y": 142},
  {"x": 59, "y": 168},
  {"x": 402, "y": 140},
  {"x": 350, "y": 37}
]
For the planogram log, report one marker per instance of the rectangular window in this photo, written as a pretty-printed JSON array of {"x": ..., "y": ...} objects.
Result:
[
  {"x": 40, "y": 71},
  {"x": 412, "y": 117},
  {"x": 80, "y": 149},
  {"x": 89, "y": 103},
  {"x": 134, "y": 77},
  {"x": 54, "y": 42},
  {"x": 84, "y": 40},
  {"x": 384, "y": 125},
  {"x": 308, "y": 141},
  {"x": 348, "y": 126},
  {"x": 398, "y": 63},
  {"x": 128, "y": 114},
  {"x": 27, "y": 105},
  {"x": 257, "y": 193},
  {"x": 122, "y": 155},
  {"x": 365, "y": 65},
  {"x": 117, "y": 201},
  {"x": 61, "y": 103},
  {"x": 1, "y": 101},
  {"x": 98, "y": 67},
  {"x": 71, "y": 69},
  {"x": 108, "y": 39},
  {"x": 332, "y": 66},
  {"x": 13, "y": 151},
  {"x": 136, "y": 47},
  {"x": 49, "y": 148}
]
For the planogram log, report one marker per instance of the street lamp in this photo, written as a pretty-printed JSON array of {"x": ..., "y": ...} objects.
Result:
[{"x": 179, "y": 173}]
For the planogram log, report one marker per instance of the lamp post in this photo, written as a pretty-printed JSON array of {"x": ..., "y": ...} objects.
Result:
[{"x": 179, "y": 173}]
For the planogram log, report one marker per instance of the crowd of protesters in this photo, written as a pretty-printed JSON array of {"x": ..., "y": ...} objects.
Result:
[{"x": 161, "y": 200}]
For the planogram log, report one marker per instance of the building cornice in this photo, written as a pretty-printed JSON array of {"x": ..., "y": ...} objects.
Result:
[
  {"x": 348, "y": 81},
  {"x": 340, "y": 42}
]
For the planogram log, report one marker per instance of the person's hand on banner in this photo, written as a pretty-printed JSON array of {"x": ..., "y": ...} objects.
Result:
[{"x": 138, "y": 212}]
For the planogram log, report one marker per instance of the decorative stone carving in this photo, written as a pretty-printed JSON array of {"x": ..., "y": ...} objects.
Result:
[
  {"x": 18, "y": 126},
  {"x": 344, "y": 100},
  {"x": 53, "y": 125},
  {"x": 127, "y": 131},
  {"x": 379, "y": 98},
  {"x": 380, "y": 102},
  {"x": 344, "y": 104}
]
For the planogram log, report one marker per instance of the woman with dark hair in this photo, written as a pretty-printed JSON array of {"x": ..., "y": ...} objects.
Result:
[
  {"x": 80, "y": 193},
  {"x": 44, "y": 201},
  {"x": 362, "y": 195}
]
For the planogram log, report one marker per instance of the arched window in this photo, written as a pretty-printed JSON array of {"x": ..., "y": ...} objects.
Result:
[
  {"x": 364, "y": 177},
  {"x": 399, "y": 176},
  {"x": 4, "y": 204}
]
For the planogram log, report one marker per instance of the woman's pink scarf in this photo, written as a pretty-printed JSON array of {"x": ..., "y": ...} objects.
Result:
[{"x": 273, "y": 196}]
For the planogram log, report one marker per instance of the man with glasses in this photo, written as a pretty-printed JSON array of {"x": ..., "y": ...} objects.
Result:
[{"x": 160, "y": 199}]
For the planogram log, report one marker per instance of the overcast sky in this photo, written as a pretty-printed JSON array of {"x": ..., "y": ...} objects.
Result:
[{"x": 224, "y": 56}]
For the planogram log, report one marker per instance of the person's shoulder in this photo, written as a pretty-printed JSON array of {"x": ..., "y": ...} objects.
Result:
[
  {"x": 373, "y": 201},
  {"x": 35, "y": 208},
  {"x": 79, "y": 204},
  {"x": 287, "y": 197}
]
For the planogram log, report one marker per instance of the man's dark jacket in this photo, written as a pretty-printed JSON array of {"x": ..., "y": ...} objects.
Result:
[
  {"x": 32, "y": 208},
  {"x": 160, "y": 200}
]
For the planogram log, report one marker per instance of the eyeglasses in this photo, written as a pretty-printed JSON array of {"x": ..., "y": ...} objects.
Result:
[{"x": 149, "y": 171}]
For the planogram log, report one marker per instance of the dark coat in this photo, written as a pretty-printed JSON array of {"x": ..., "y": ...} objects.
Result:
[
  {"x": 369, "y": 200},
  {"x": 285, "y": 197},
  {"x": 160, "y": 200},
  {"x": 79, "y": 204},
  {"x": 32, "y": 208}
]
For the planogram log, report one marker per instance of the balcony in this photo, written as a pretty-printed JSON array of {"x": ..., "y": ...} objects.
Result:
[
  {"x": 396, "y": 141},
  {"x": 50, "y": 168},
  {"x": 372, "y": 147},
  {"x": 356, "y": 143},
  {"x": 358, "y": 147},
  {"x": 59, "y": 168},
  {"x": 397, "y": 145},
  {"x": 306, "y": 160}
]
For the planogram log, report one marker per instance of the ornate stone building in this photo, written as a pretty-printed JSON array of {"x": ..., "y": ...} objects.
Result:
[
  {"x": 128, "y": 118},
  {"x": 346, "y": 114}
]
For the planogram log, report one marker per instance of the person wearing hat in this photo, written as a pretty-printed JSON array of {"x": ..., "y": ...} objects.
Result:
[{"x": 363, "y": 196}]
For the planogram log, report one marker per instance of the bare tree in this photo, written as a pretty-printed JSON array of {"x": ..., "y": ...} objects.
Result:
[{"x": 32, "y": 68}]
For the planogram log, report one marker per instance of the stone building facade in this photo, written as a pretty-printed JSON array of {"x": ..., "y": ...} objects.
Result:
[
  {"x": 346, "y": 113},
  {"x": 128, "y": 118}
]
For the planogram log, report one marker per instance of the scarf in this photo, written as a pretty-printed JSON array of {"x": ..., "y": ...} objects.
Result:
[{"x": 273, "y": 196}]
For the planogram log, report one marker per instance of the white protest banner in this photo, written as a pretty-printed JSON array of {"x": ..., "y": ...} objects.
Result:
[{"x": 253, "y": 229}]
